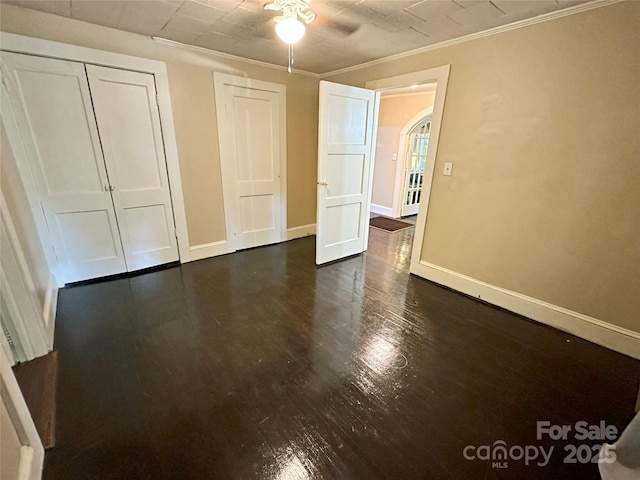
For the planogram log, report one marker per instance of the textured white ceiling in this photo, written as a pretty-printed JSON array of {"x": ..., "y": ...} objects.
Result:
[{"x": 345, "y": 33}]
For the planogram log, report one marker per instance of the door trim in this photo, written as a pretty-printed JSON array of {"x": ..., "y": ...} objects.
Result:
[
  {"x": 231, "y": 216},
  {"x": 32, "y": 451},
  {"x": 46, "y": 48},
  {"x": 24, "y": 310},
  {"x": 439, "y": 75}
]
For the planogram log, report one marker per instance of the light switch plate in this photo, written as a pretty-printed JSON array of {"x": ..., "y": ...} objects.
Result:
[
  {"x": 394, "y": 157},
  {"x": 448, "y": 167}
]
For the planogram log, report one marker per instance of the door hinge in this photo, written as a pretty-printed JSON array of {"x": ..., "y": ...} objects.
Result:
[{"x": 157, "y": 100}]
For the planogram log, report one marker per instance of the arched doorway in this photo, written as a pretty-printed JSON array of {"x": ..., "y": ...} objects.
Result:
[{"x": 414, "y": 165}]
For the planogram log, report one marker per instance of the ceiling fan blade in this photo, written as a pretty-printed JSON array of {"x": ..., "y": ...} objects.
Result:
[
  {"x": 266, "y": 32},
  {"x": 341, "y": 28},
  {"x": 307, "y": 16}
]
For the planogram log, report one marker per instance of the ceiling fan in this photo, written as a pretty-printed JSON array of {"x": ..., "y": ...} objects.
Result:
[{"x": 290, "y": 26}]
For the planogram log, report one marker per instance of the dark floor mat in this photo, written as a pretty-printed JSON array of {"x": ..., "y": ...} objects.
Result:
[{"x": 388, "y": 224}]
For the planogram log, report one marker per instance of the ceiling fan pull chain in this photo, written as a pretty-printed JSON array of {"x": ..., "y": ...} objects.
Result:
[{"x": 290, "y": 57}]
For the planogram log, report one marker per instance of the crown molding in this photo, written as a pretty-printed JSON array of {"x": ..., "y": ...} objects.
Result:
[
  {"x": 237, "y": 58},
  {"x": 545, "y": 17}
]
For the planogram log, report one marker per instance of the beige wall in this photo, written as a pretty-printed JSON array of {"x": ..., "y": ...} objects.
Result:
[
  {"x": 394, "y": 114},
  {"x": 193, "y": 102},
  {"x": 543, "y": 127},
  {"x": 18, "y": 207}
]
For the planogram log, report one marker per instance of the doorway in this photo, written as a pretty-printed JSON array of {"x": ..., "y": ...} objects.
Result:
[
  {"x": 348, "y": 126},
  {"x": 401, "y": 148},
  {"x": 436, "y": 79}
]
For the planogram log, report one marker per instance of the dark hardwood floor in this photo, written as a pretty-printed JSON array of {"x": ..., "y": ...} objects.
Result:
[
  {"x": 259, "y": 365},
  {"x": 37, "y": 380}
]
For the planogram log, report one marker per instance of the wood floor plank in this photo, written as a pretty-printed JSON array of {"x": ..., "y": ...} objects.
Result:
[
  {"x": 37, "y": 380},
  {"x": 261, "y": 365}
]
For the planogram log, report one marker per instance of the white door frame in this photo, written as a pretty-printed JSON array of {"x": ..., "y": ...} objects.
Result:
[
  {"x": 403, "y": 146},
  {"x": 231, "y": 213},
  {"x": 32, "y": 451},
  {"x": 439, "y": 75},
  {"x": 32, "y": 322},
  {"x": 46, "y": 48}
]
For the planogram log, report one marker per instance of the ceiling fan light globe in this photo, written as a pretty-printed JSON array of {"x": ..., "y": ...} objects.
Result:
[{"x": 290, "y": 30}]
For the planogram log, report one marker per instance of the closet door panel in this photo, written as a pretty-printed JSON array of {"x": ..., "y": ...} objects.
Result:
[
  {"x": 52, "y": 105},
  {"x": 129, "y": 126}
]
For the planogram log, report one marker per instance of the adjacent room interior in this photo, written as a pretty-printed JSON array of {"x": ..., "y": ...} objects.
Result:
[{"x": 303, "y": 240}]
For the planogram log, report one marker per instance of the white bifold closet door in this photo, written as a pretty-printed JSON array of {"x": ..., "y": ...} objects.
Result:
[
  {"x": 129, "y": 126},
  {"x": 64, "y": 145},
  {"x": 52, "y": 104}
]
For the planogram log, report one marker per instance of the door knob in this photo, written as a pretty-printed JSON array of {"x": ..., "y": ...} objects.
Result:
[{"x": 323, "y": 183}]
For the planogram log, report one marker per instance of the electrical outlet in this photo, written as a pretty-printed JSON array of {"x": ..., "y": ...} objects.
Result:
[{"x": 447, "y": 168}]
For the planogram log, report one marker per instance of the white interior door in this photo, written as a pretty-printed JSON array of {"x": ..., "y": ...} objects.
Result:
[
  {"x": 52, "y": 105},
  {"x": 345, "y": 139},
  {"x": 251, "y": 122},
  {"x": 129, "y": 126}
]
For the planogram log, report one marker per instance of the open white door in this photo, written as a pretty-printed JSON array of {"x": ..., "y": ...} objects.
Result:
[
  {"x": 345, "y": 140},
  {"x": 129, "y": 126}
]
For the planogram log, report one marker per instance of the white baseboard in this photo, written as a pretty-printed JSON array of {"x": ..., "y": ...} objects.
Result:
[
  {"x": 50, "y": 308},
  {"x": 380, "y": 210},
  {"x": 302, "y": 231},
  {"x": 597, "y": 331},
  {"x": 206, "y": 250}
]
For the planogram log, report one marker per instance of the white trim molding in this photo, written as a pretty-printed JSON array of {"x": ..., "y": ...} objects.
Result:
[
  {"x": 597, "y": 331},
  {"x": 545, "y": 17},
  {"x": 207, "y": 250},
  {"x": 381, "y": 210},
  {"x": 23, "y": 308},
  {"x": 32, "y": 451},
  {"x": 222, "y": 247},
  {"x": 301, "y": 231},
  {"x": 229, "y": 56},
  {"x": 50, "y": 308}
]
